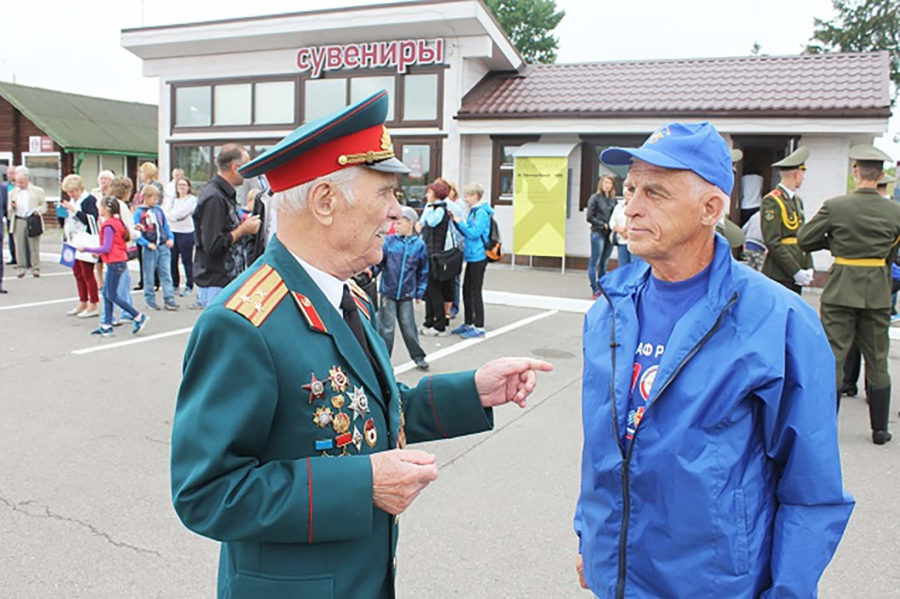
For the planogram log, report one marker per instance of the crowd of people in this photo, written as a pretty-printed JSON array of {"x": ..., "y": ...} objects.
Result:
[{"x": 437, "y": 257}]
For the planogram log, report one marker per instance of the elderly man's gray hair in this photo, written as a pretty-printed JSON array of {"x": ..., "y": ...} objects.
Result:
[
  {"x": 294, "y": 199},
  {"x": 22, "y": 170}
]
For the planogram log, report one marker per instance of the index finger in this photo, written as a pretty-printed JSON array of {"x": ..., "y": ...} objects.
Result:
[
  {"x": 416, "y": 456},
  {"x": 532, "y": 364}
]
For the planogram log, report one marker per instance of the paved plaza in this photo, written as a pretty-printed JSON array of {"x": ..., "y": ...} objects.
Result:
[{"x": 85, "y": 509}]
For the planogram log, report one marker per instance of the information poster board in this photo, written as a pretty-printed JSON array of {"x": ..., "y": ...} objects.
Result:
[{"x": 539, "y": 206}]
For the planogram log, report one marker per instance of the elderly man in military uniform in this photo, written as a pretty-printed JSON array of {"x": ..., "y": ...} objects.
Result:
[
  {"x": 861, "y": 229},
  {"x": 289, "y": 432},
  {"x": 782, "y": 215}
]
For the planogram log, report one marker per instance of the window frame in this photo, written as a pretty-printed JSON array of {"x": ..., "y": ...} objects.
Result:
[
  {"x": 397, "y": 93},
  {"x": 211, "y": 144},
  {"x": 212, "y": 83},
  {"x": 498, "y": 142}
]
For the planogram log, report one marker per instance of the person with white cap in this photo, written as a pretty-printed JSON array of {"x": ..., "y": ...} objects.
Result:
[{"x": 710, "y": 465}]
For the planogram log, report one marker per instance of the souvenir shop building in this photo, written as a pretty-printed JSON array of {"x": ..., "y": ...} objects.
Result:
[{"x": 464, "y": 104}]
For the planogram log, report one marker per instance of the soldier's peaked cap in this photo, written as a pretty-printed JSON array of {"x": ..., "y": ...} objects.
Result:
[
  {"x": 867, "y": 153},
  {"x": 795, "y": 159},
  {"x": 354, "y": 136}
]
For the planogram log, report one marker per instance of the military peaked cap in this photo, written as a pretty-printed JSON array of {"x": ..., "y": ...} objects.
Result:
[{"x": 795, "y": 159}]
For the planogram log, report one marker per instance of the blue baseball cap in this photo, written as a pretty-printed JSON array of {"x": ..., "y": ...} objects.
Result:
[{"x": 695, "y": 147}]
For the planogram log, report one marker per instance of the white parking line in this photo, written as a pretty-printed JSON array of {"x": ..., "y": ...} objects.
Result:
[
  {"x": 46, "y": 303},
  {"x": 458, "y": 347},
  {"x": 43, "y": 275},
  {"x": 135, "y": 341}
]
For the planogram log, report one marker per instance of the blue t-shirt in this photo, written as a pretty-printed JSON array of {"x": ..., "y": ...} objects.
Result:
[{"x": 660, "y": 304}]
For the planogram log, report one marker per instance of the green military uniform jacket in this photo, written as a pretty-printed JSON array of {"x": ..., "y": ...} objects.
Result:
[
  {"x": 277, "y": 412},
  {"x": 861, "y": 225},
  {"x": 781, "y": 216}
]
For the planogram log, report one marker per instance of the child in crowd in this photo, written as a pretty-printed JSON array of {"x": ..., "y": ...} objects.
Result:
[
  {"x": 114, "y": 235},
  {"x": 404, "y": 277},
  {"x": 156, "y": 239}
]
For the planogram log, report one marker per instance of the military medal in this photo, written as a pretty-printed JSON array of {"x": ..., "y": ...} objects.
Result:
[
  {"x": 322, "y": 417},
  {"x": 315, "y": 387},
  {"x": 343, "y": 441},
  {"x": 339, "y": 380},
  {"x": 371, "y": 433},
  {"x": 337, "y": 401},
  {"x": 324, "y": 444},
  {"x": 359, "y": 403},
  {"x": 341, "y": 422},
  {"x": 357, "y": 439}
]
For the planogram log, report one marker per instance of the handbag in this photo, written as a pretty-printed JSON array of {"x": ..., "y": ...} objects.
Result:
[
  {"x": 447, "y": 264},
  {"x": 35, "y": 224},
  {"x": 87, "y": 239}
]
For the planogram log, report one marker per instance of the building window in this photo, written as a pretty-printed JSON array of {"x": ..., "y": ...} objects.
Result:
[
  {"x": 420, "y": 97},
  {"x": 193, "y": 106},
  {"x": 592, "y": 169},
  {"x": 422, "y": 156},
  {"x": 232, "y": 104},
  {"x": 363, "y": 87},
  {"x": 235, "y": 104},
  {"x": 321, "y": 97},
  {"x": 502, "y": 177},
  {"x": 44, "y": 171},
  {"x": 274, "y": 103},
  {"x": 195, "y": 162},
  {"x": 414, "y": 99}
]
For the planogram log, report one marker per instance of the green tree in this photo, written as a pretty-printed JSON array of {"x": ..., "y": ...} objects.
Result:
[
  {"x": 860, "y": 26},
  {"x": 528, "y": 24}
]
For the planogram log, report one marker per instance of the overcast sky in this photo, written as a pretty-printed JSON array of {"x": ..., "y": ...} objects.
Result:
[{"x": 75, "y": 45}]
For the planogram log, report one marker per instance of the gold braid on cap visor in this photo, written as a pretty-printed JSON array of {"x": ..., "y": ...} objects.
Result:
[{"x": 387, "y": 151}]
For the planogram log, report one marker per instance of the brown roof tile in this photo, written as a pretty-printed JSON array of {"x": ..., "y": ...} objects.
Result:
[{"x": 838, "y": 84}]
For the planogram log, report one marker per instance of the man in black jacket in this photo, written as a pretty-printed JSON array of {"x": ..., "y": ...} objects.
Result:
[{"x": 220, "y": 256}]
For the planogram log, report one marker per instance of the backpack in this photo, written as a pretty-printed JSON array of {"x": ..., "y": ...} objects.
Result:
[{"x": 493, "y": 247}]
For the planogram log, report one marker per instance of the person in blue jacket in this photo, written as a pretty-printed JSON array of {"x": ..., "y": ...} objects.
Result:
[
  {"x": 475, "y": 230},
  {"x": 404, "y": 277},
  {"x": 710, "y": 465}
]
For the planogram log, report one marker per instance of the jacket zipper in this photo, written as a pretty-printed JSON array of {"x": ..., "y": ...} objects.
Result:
[
  {"x": 402, "y": 270},
  {"x": 626, "y": 495}
]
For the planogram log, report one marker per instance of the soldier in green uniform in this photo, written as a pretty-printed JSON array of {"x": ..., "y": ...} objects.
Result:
[
  {"x": 288, "y": 436},
  {"x": 781, "y": 217},
  {"x": 861, "y": 229}
]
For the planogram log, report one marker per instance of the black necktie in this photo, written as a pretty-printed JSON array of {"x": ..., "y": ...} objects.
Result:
[{"x": 353, "y": 320}]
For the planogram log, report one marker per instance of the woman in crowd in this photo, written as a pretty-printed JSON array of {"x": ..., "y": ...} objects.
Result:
[
  {"x": 476, "y": 228},
  {"x": 113, "y": 250},
  {"x": 619, "y": 225},
  {"x": 81, "y": 217},
  {"x": 180, "y": 212},
  {"x": 439, "y": 243},
  {"x": 599, "y": 209},
  {"x": 148, "y": 174}
]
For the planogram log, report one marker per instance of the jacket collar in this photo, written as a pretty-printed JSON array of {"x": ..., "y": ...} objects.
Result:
[
  {"x": 298, "y": 281},
  {"x": 623, "y": 284}
]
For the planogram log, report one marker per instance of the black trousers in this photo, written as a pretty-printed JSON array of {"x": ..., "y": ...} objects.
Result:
[
  {"x": 436, "y": 293},
  {"x": 472, "y": 286}
]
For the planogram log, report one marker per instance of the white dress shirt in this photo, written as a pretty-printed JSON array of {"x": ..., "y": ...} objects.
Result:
[
  {"x": 23, "y": 198},
  {"x": 331, "y": 286}
]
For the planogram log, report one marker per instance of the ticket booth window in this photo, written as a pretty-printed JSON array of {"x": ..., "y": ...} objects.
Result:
[{"x": 44, "y": 171}]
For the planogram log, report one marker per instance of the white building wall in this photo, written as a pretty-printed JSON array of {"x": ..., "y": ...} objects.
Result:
[{"x": 826, "y": 177}]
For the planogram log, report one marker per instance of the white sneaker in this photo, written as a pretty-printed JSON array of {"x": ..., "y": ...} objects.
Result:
[{"x": 429, "y": 332}]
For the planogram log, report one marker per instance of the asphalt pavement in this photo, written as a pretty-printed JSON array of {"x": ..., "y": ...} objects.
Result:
[{"x": 84, "y": 448}]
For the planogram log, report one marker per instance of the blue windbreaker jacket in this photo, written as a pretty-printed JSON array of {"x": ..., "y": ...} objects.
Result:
[
  {"x": 403, "y": 268},
  {"x": 476, "y": 229},
  {"x": 731, "y": 486}
]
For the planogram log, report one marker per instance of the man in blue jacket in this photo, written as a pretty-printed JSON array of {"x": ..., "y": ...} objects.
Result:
[{"x": 710, "y": 463}]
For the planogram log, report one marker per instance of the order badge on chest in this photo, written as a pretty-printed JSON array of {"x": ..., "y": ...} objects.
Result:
[{"x": 342, "y": 416}]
